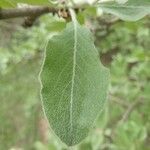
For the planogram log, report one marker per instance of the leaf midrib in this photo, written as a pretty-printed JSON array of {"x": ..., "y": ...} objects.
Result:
[{"x": 73, "y": 72}]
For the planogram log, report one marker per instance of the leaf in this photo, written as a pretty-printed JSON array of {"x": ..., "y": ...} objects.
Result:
[
  {"x": 74, "y": 83},
  {"x": 132, "y": 10},
  {"x": 56, "y": 26},
  {"x": 13, "y": 3}
]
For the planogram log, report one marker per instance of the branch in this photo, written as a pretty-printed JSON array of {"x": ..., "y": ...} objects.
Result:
[
  {"x": 26, "y": 12},
  {"x": 130, "y": 109},
  {"x": 117, "y": 100}
]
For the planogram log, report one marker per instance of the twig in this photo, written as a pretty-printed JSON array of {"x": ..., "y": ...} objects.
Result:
[
  {"x": 26, "y": 11},
  {"x": 130, "y": 109},
  {"x": 119, "y": 101}
]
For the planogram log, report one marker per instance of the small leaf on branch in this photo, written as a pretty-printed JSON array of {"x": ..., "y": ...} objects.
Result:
[
  {"x": 14, "y": 3},
  {"x": 132, "y": 10}
]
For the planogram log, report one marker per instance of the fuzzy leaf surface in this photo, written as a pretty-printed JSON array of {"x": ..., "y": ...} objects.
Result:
[{"x": 74, "y": 83}]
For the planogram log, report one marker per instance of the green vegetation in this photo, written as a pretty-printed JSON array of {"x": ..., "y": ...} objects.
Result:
[
  {"x": 124, "y": 47},
  {"x": 124, "y": 123}
]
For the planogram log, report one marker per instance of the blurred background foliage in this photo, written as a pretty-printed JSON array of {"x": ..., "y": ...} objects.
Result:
[{"x": 124, "y": 47}]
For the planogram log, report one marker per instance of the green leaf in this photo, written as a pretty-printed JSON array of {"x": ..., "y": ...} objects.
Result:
[
  {"x": 13, "y": 3},
  {"x": 132, "y": 10},
  {"x": 74, "y": 83},
  {"x": 56, "y": 26}
]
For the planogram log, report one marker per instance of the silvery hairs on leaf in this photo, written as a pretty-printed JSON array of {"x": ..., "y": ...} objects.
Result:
[{"x": 74, "y": 83}]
